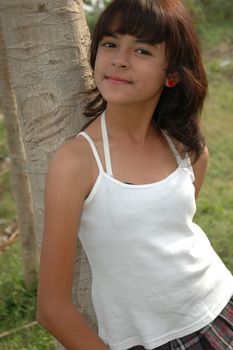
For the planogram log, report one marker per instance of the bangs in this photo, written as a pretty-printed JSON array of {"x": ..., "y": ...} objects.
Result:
[{"x": 137, "y": 18}]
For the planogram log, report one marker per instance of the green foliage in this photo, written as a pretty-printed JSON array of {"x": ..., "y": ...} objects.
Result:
[
  {"x": 91, "y": 19},
  {"x": 16, "y": 302},
  {"x": 195, "y": 9},
  {"x": 92, "y": 16},
  {"x": 213, "y": 20},
  {"x": 215, "y": 34},
  {"x": 18, "y": 305},
  {"x": 218, "y": 9},
  {"x": 215, "y": 205},
  {"x": 7, "y": 204},
  {"x": 34, "y": 338},
  {"x": 210, "y": 10}
]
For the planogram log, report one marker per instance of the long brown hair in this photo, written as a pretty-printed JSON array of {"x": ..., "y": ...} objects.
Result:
[{"x": 157, "y": 21}]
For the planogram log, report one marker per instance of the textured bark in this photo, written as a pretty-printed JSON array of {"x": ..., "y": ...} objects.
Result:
[
  {"x": 47, "y": 48},
  {"x": 19, "y": 177}
]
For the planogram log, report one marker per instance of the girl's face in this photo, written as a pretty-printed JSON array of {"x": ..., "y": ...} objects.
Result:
[{"x": 129, "y": 71}]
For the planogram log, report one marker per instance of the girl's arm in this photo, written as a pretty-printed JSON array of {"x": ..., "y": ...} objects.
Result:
[
  {"x": 199, "y": 168},
  {"x": 69, "y": 180}
]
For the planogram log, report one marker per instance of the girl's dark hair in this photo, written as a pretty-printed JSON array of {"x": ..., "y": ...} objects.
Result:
[{"x": 157, "y": 21}]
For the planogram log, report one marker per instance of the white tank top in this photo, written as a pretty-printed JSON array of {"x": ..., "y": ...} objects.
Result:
[{"x": 155, "y": 276}]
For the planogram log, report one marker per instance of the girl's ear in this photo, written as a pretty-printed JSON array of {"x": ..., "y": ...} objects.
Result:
[{"x": 172, "y": 80}]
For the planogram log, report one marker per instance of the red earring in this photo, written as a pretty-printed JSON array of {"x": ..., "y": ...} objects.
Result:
[{"x": 171, "y": 83}]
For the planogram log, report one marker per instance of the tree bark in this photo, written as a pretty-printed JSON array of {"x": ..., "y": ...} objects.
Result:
[
  {"x": 47, "y": 45},
  {"x": 19, "y": 177}
]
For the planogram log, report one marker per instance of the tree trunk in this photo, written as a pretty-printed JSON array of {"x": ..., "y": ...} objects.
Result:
[
  {"x": 19, "y": 177},
  {"x": 47, "y": 45}
]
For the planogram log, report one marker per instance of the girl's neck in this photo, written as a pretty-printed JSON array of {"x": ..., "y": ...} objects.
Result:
[{"x": 134, "y": 123}]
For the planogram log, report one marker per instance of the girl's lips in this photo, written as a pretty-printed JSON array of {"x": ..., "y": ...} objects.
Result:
[{"x": 117, "y": 80}]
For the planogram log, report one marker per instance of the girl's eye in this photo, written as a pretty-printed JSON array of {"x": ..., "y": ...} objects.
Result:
[
  {"x": 108, "y": 45},
  {"x": 143, "y": 52}
]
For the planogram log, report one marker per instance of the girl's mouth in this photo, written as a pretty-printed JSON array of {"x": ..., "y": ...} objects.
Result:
[{"x": 117, "y": 80}]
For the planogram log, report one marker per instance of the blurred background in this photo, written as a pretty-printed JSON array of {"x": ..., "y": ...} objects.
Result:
[{"x": 214, "y": 24}]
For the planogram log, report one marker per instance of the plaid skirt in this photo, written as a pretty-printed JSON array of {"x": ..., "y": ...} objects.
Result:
[{"x": 217, "y": 335}]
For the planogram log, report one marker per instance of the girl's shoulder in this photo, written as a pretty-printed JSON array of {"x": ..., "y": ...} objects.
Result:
[
  {"x": 72, "y": 165},
  {"x": 76, "y": 154},
  {"x": 202, "y": 160},
  {"x": 72, "y": 156}
]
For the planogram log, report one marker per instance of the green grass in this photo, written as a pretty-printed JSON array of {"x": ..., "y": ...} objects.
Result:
[
  {"x": 212, "y": 33},
  {"x": 17, "y": 306},
  {"x": 31, "y": 339},
  {"x": 215, "y": 205},
  {"x": 15, "y": 300},
  {"x": 7, "y": 205}
]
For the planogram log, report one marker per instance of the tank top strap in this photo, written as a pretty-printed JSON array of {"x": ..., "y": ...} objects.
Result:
[
  {"x": 93, "y": 148},
  {"x": 185, "y": 161},
  {"x": 107, "y": 155},
  {"x": 173, "y": 148}
]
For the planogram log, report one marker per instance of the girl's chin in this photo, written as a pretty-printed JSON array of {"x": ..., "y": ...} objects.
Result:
[
  {"x": 113, "y": 97},
  {"x": 121, "y": 97},
  {"x": 118, "y": 101}
]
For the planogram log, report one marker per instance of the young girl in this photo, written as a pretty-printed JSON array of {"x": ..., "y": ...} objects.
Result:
[{"x": 127, "y": 185}]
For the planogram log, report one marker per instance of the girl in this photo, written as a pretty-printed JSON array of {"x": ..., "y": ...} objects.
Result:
[{"x": 127, "y": 185}]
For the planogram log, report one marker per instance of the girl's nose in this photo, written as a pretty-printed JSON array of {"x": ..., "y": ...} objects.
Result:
[{"x": 120, "y": 60}]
